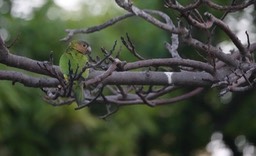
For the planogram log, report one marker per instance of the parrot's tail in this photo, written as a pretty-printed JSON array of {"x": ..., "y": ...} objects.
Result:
[{"x": 78, "y": 90}]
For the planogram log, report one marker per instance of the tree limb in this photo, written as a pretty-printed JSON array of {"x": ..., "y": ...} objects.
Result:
[{"x": 28, "y": 81}]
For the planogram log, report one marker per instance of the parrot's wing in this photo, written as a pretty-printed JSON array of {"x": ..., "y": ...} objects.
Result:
[
  {"x": 64, "y": 63},
  {"x": 83, "y": 64},
  {"x": 80, "y": 61},
  {"x": 69, "y": 63}
]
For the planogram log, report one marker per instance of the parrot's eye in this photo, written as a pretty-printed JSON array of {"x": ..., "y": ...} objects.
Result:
[{"x": 84, "y": 45}]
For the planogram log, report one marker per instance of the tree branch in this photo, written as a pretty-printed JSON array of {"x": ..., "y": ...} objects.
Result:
[
  {"x": 145, "y": 14},
  {"x": 230, "y": 8},
  {"x": 207, "y": 48},
  {"x": 72, "y": 32},
  {"x": 170, "y": 62},
  {"x": 28, "y": 80},
  {"x": 25, "y": 63},
  {"x": 184, "y": 78},
  {"x": 136, "y": 100},
  {"x": 231, "y": 35}
]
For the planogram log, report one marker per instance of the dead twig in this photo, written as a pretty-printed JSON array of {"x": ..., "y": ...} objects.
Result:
[{"x": 130, "y": 46}]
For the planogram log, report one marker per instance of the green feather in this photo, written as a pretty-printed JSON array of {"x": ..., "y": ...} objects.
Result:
[{"x": 77, "y": 63}]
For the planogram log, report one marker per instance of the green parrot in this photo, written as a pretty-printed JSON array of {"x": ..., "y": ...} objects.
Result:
[{"x": 71, "y": 63}]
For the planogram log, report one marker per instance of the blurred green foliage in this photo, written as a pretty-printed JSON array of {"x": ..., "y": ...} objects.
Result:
[{"x": 30, "y": 126}]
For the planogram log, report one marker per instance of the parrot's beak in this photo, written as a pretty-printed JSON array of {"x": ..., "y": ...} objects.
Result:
[{"x": 89, "y": 49}]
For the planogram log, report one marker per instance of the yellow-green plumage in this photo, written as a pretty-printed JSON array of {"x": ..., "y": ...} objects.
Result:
[{"x": 72, "y": 63}]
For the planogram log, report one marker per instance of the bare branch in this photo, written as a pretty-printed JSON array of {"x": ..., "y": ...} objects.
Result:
[
  {"x": 231, "y": 35},
  {"x": 248, "y": 39},
  {"x": 235, "y": 55},
  {"x": 157, "y": 102},
  {"x": 179, "y": 7},
  {"x": 145, "y": 100},
  {"x": 146, "y": 15},
  {"x": 212, "y": 50},
  {"x": 103, "y": 76},
  {"x": 25, "y": 63},
  {"x": 231, "y": 8},
  {"x": 130, "y": 46},
  {"x": 161, "y": 92},
  {"x": 170, "y": 62},
  {"x": 211, "y": 4},
  {"x": 72, "y": 32},
  {"x": 179, "y": 98},
  {"x": 173, "y": 47},
  {"x": 184, "y": 78},
  {"x": 28, "y": 80}
]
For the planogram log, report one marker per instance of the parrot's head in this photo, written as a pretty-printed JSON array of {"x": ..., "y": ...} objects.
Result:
[{"x": 81, "y": 46}]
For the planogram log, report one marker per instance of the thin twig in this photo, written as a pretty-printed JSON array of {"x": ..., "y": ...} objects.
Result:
[
  {"x": 72, "y": 32},
  {"x": 107, "y": 73},
  {"x": 229, "y": 8},
  {"x": 130, "y": 46}
]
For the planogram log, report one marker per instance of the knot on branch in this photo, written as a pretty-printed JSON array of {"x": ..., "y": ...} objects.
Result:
[{"x": 126, "y": 4}]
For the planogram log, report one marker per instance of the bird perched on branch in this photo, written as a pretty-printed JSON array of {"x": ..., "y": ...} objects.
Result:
[{"x": 73, "y": 66}]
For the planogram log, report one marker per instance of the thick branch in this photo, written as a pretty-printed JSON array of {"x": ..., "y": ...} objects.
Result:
[
  {"x": 29, "y": 64},
  {"x": 156, "y": 78},
  {"x": 26, "y": 63},
  {"x": 28, "y": 80},
  {"x": 120, "y": 78},
  {"x": 170, "y": 62}
]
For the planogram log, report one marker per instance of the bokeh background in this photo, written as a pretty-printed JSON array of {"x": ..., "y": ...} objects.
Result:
[{"x": 201, "y": 126}]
